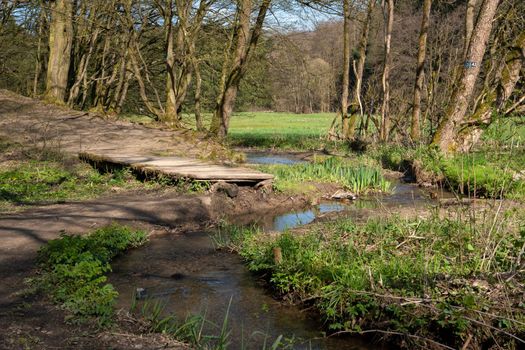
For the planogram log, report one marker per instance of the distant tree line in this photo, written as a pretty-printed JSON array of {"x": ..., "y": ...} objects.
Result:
[{"x": 429, "y": 71}]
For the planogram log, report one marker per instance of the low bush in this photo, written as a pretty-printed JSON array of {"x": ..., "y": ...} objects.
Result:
[
  {"x": 474, "y": 175},
  {"x": 31, "y": 182},
  {"x": 485, "y": 173},
  {"x": 74, "y": 269},
  {"x": 478, "y": 174}
]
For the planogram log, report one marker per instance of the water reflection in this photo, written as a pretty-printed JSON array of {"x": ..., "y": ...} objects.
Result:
[
  {"x": 300, "y": 218},
  {"x": 267, "y": 158}
]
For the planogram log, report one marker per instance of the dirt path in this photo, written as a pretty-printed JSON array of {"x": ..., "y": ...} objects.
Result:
[
  {"x": 28, "y": 322},
  {"x": 33, "y": 123}
]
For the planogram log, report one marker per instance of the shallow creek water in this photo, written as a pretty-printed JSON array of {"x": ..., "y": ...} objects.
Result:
[
  {"x": 269, "y": 158},
  {"x": 187, "y": 275}
]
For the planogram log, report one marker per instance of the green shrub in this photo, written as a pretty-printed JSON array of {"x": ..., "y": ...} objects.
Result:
[
  {"x": 487, "y": 174},
  {"x": 477, "y": 174},
  {"x": 74, "y": 269},
  {"x": 391, "y": 156}
]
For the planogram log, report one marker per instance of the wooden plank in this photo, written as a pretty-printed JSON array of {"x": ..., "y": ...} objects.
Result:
[{"x": 178, "y": 167}]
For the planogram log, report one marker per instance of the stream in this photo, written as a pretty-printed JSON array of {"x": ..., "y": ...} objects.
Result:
[{"x": 189, "y": 276}]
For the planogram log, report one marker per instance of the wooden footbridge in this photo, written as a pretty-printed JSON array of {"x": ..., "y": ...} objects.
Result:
[
  {"x": 179, "y": 168},
  {"x": 103, "y": 142}
]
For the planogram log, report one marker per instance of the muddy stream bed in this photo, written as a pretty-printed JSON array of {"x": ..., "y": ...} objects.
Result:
[{"x": 189, "y": 276}]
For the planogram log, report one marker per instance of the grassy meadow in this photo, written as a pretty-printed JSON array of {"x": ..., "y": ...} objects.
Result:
[
  {"x": 267, "y": 130},
  {"x": 286, "y": 131}
]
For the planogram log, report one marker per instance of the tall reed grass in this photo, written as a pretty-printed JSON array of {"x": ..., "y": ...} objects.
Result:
[{"x": 357, "y": 178}]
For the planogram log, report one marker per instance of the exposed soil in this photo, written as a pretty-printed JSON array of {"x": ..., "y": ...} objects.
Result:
[{"x": 33, "y": 123}]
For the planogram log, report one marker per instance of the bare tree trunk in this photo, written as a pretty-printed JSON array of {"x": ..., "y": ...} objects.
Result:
[
  {"x": 469, "y": 25},
  {"x": 346, "y": 68},
  {"x": 198, "y": 88},
  {"x": 38, "y": 61},
  {"x": 101, "y": 79},
  {"x": 124, "y": 91},
  {"x": 180, "y": 52},
  {"x": 170, "y": 115},
  {"x": 82, "y": 70},
  {"x": 142, "y": 86},
  {"x": 121, "y": 89},
  {"x": 461, "y": 97},
  {"x": 358, "y": 71},
  {"x": 415, "y": 129},
  {"x": 245, "y": 43},
  {"x": 228, "y": 93},
  {"x": 60, "y": 40},
  {"x": 385, "y": 110}
]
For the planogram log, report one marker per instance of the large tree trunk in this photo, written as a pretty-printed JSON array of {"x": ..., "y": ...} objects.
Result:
[
  {"x": 60, "y": 40},
  {"x": 228, "y": 89},
  {"x": 346, "y": 68},
  {"x": 445, "y": 135},
  {"x": 508, "y": 76},
  {"x": 415, "y": 129},
  {"x": 385, "y": 110},
  {"x": 245, "y": 43},
  {"x": 356, "y": 105}
]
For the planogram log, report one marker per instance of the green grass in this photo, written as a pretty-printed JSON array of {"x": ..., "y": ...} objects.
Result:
[
  {"x": 34, "y": 181},
  {"x": 194, "y": 329},
  {"x": 198, "y": 331},
  {"x": 428, "y": 280},
  {"x": 480, "y": 175},
  {"x": 275, "y": 130},
  {"x": 357, "y": 177},
  {"x": 136, "y": 118},
  {"x": 74, "y": 270},
  {"x": 279, "y": 130},
  {"x": 505, "y": 132},
  {"x": 483, "y": 173}
]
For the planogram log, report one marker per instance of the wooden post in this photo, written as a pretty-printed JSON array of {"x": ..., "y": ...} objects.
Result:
[{"x": 277, "y": 255}]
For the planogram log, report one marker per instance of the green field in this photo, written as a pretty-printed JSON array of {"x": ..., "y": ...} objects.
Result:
[
  {"x": 271, "y": 129},
  {"x": 279, "y": 130},
  {"x": 266, "y": 129}
]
